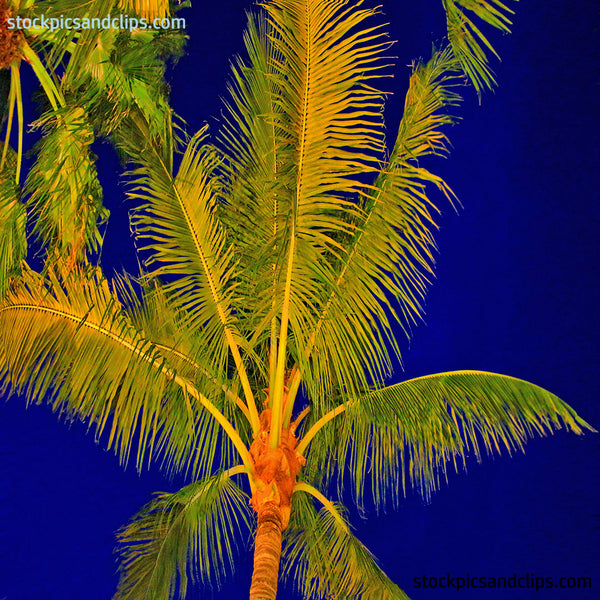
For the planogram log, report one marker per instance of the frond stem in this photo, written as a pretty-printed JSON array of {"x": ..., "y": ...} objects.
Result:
[
  {"x": 310, "y": 434},
  {"x": 233, "y": 346},
  {"x": 54, "y": 95},
  {"x": 11, "y": 112},
  {"x": 277, "y": 416},
  {"x": 302, "y": 486}
]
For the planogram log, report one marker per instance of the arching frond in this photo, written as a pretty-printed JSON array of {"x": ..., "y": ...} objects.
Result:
[
  {"x": 408, "y": 433},
  {"x": 389, "y": 262},
  {"x": 189, "y": 534},
  {"x": 327, "y": 562},
  {"x": 68, "y": 342},
  {"x": 154, "y": 314},
  {"x": 13, "y": 219},
  {"x": 180, "y": 236},
  {"x": 469, "y": 43}
]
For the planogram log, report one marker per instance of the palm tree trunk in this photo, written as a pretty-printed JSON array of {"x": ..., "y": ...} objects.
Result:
[{"x": 267, "y": 551}]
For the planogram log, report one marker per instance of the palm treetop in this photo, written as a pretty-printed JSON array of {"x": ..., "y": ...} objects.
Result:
[{"x": 279, "y": 259}]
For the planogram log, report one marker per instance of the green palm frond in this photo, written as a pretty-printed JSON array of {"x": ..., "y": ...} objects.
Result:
[
  {"x": 327, "y": 562},
  {"x": 13, "y": 219},
  {"x": 114, "y": 73},
  {"x": 428, "y": 106},
  {"x": 409, "y": 432},
  {"x": 79, "y": 351},
  {"x": 188, "y": 534},
  {"x": 65, "y": 197},
  {"x": 390, "y": 256},
  {"x": 469, "y": 43}
]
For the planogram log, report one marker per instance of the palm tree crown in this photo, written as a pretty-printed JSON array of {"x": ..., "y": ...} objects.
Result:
[{"x": 278, "y": 262}]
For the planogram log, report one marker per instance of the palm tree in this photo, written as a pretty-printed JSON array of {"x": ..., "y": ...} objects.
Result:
[{"x": 252, "y": 351}]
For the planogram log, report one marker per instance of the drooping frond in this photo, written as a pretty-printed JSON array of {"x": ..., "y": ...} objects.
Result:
[
  {"x": 469, "y": 43},
  {"x": 409, "y": 432},
  {"x": 390, "y": 259},
  {"x": 65, "y": 196},
  {"x": 189, "y": 534},
  {"x": 13, "y": 219},
  {"x": 327, "y": 562},
  {"x": 67, "y": 341}
]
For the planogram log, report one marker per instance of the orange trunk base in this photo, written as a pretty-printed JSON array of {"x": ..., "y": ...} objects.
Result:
[{"x": 275, "y": 472}]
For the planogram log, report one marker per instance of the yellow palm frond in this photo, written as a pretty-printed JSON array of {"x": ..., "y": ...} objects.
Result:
[
  {"x": 469, "y": 43},
  {"x": 389, "y": 260},
  {"x": 79, "y": 351},
  {"x": 180, "y": 235},
  {"x": 326, "y": 561}
]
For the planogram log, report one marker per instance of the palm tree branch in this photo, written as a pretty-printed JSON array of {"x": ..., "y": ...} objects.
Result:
[
  {"x": 396, "y": 216},
  {"x": 333, "y": 125},
  {"x": 413, "y": 429},
  {"x": 85, "y": 312},
  {"x": 302, "y": 486},
  {"x": 469, "y": 43}
]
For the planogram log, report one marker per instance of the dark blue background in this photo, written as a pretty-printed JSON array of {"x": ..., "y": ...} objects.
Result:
[{"x": 517, "y": 292}]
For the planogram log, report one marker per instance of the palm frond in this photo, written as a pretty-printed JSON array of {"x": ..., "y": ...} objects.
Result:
[
  {"x": 327, "y": 562},
  {"x": 77, "y": 349},
  {"x": 116, "y": 73},
  {"x": 13, "y": 220},
  {"x": 188, "y": 534},
  {"x": 430, "y": 100},
  {"x": 153, "y": 313},
  {"x": 390, "y": 259},
  {"x": 253, "y": 177},
  {"x": 468, "y": 42},
  {"x": 330, "y": 56},
  {"x": 65, "y": 197},
  {"x": 408, "y": 433},
  {"x": 148, "y": 9},
  {"x": 180, "y": 239}
]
